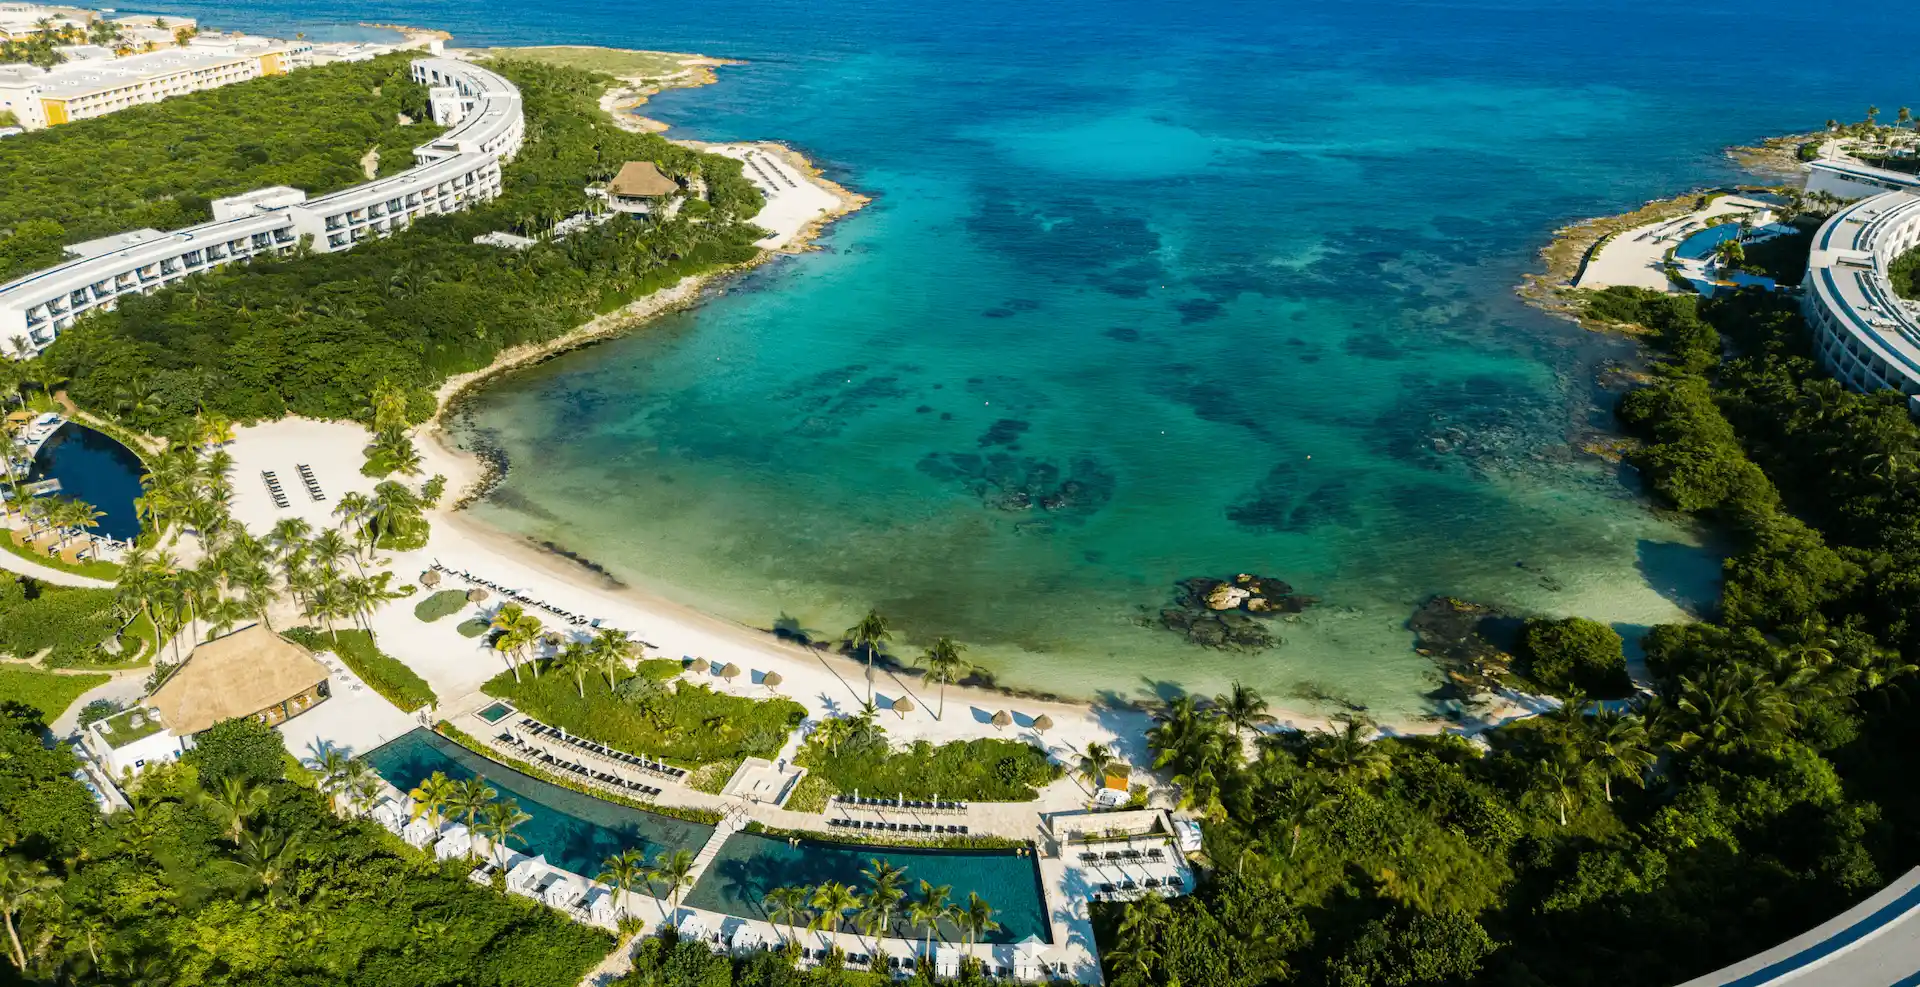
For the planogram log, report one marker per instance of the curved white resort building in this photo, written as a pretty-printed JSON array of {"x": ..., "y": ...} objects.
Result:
[
  {"x": 482, "y": 112},
  {"x": 1868, "y": 337}
]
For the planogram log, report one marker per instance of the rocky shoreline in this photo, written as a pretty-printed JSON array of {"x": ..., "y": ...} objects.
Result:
[{"x": 1231, "y": 613}]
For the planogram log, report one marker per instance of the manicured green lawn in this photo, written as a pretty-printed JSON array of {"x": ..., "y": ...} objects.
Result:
[
  {"x": 389, "y": 676},
  {"x": 686, "y": 722},
  {"x": 47, "y": 692},
  {"x": 440, "y": 605}
]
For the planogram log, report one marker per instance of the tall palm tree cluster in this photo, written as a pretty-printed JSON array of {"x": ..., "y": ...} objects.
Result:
[
  {"x": 440, "y": 800},
  {"x": 239, "y": 576},
  {"x": 883, "y": 909},
  {"x": 1201, "y": 743}
]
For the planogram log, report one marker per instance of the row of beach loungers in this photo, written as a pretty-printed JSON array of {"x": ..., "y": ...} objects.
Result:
[
  {"x": 540, "y": 729},
  {"x": 1094, "y": 858},
  {"x": 862, "y": 802},
  {"x": 562, "y": 764},
  {"x": 312, "y": 482},
  {"x": 274, "y": 489},
  {"x": 897, "y": 827},
  {"x": 1129, "y": 888},
  {"x": 519, "y": 597},
  {"x": 777, "y": 178}
]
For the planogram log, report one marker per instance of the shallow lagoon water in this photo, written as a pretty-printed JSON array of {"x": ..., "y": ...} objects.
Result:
[{"x": 1240, "y": 271}]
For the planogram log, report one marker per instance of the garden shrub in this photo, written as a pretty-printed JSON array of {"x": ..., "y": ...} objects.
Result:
[{"x": 445, "y": 603}]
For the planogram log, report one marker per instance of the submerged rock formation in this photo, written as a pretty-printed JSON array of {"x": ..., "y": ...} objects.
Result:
[
  {"x": 1227, "y": 613},
  {"x": 1472, "y": 642}
]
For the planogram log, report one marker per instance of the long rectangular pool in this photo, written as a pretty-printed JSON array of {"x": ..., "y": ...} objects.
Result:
[
  {"x": 576, "y": 832},
  {"x": 749, "y": 866}
]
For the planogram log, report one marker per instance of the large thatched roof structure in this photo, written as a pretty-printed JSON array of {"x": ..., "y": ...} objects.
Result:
[{"x": 240, "y": 674}]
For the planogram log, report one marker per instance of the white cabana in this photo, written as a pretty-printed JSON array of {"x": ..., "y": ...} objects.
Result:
[
  {"x": 746, "y": 938},
  {"x": 455, "y": 841},
  {"x": 946, "y": 962},
  {"x": 562, "y": 893},
  {"x": 390, "y": 816},
  {"x": 420, "y": 834},
  {"x": 601, "y": 908},
  {"x": 1027, "y": 959},
  {"x": 695, "y": 928},
  {"x": 525, "y": 876}
]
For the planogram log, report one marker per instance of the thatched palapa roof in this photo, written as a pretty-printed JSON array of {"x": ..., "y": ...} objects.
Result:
[
  {"x": 236, "y": 675},
  {"x": 641, "y": 180}
]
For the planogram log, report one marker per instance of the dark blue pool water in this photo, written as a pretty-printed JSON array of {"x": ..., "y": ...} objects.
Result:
[
  {"x": 749, "y": 866},
  {"x": 94, "y": 468},
  {"x": 576, "y": 832}
]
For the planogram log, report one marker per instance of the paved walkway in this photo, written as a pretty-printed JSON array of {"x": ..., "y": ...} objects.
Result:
[{"x": 48, "y": 574}]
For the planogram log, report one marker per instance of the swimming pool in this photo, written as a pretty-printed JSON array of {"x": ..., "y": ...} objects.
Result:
[
  {"x": 96, "y": 469},
  {"x": 750, "y": 865},
  {"x": 576, "y": 832},
  {"x": 496, "y": 712},
  {"x": 1701, "y": 245}
]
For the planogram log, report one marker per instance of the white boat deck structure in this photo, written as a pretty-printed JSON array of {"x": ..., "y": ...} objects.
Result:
[{"x": 452, "y": 172}]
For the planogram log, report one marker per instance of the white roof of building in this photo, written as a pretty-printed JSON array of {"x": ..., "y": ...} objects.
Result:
[
  {"x": 1875, "y": 942},
  {"x": 109, "y": 244},
  {"x": 70, "y": 80},
  {"x": 1847, "y": 268}
]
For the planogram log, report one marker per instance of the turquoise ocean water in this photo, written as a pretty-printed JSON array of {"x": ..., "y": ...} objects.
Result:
[{"x": 1237, "y": 276}]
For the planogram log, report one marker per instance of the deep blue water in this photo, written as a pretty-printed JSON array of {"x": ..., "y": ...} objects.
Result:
[
  {"x": 1240, "y": 271},
  {"x": 98, "y": 470}
]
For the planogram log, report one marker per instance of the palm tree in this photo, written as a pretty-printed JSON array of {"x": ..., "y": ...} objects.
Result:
[
  {"x": 1559, "y": 783},
  {"x": 623, "y": 872},
  {"x": 945, "y": 666},
  {"x": 675, "y": 870},
  {"x": 470, "y": 798},
  {"x": 23, "y": 884},
  {"x": 519, "y": 630},
  {"x": 610, "y": 649},
  {"x": 926, "y": 912},
  {"x": 432, "y": 797},
  {"x": 831, "y": 734},
  {"x": 883, "y": 895},
  {"x": 977, "y": 918},
  {"x": 362, "y": 787},
  {"x": 331, "y": 767},
  {"x": 1729, "y": 253},
  {"x": 1242, "y": 707},
  {"x": 235, "y": 803},
  {"x": 865, "y": 636},
  {"x": 788, "y": 906},
  {"x": 577, "y": 660},
  {"x": 832, "y": 901},
  {"x": 267, "y": 855},
  {"x": 1094, "y": 762},
  {"x": 1350, "y": 752},
  {"x": 499, "y": 822},
  {"x": 1616, "y": 747}
]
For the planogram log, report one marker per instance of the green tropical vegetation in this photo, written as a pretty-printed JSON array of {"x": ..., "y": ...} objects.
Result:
[
  {"x": 62, "y": 627},
  {"x": 852, "y": 754},
  {"x": 1904, "y": 272},
  {"x": 160, "y": 165},
  {"x": 645, "y": 711},
  {"x": 1575, "y": 653},
  {"x": 215, "y": 877},
  {"x": 612, "y": 61},
  {"x": 46, "y": 693},
  {"x": 385, "y": 674},
  {"x": 317, "y": 335}
]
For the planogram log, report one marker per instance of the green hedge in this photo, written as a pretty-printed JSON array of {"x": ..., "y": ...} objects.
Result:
[
  {"x": 706, "y": 817},
  {"x": 690, "y": 724},
  {"x": 441, "y": 605},
  {"x": 984, "y": 770},
  {"x": 386, "y": 674}
]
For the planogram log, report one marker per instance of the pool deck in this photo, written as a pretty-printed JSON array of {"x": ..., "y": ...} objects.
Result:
[{"x": 1637, "y": 257}]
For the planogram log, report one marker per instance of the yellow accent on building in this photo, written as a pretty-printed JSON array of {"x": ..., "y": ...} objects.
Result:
[
  {"x": 270, "y": 64},
  {"x": 56, "y": 110}
]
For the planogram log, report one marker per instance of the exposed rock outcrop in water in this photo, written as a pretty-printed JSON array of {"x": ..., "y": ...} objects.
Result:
[
  {"x": 1472, "y": 642},
  {"x": 1231, "y": 613}
]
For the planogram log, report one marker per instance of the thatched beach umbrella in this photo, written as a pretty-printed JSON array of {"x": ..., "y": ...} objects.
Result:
[
  {"x": 1043, "y": 723},
  {"x": 430, "y": 579},
  {"x": 731, "y": 672},
  {"x": 1002, "y": 719},
  {"x": 772, "y": 681},
  {"x": 476, "y": 595},
  {"x": 903, "y": 706}
]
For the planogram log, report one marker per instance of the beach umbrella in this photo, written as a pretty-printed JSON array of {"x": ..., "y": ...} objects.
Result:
[
  {"x": 429, "y": 579},
  {"x": 772, "y": 680},
  {"x": 1002, "y": 719},
  {"x": 1043, "y": 723},
  {"x": 731, "y": 672},
  {"x": 476, "y": 595},
  {"x": 903, "y": 706}
]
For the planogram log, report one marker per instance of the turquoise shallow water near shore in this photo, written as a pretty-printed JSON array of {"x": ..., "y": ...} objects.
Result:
[{"x": 1231, "y": 282}]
